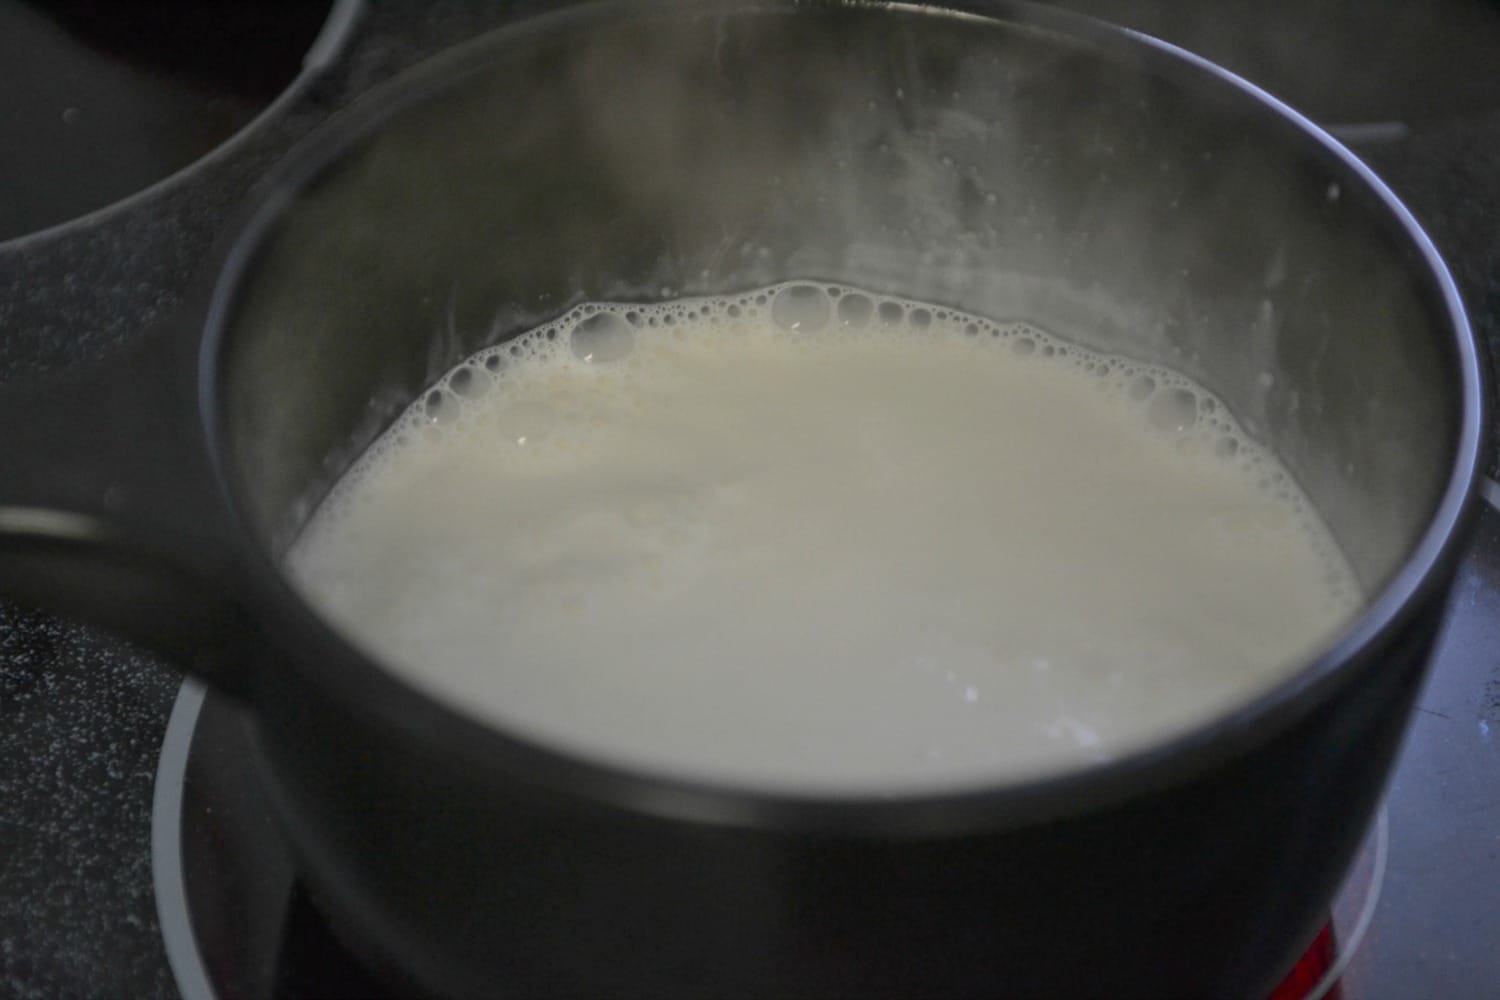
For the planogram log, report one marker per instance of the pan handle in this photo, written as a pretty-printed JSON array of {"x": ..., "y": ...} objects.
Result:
[{"x": 109, "y": 510}]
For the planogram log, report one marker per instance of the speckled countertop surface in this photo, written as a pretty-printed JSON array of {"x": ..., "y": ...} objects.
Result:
[{"x": 81, "y": 716}]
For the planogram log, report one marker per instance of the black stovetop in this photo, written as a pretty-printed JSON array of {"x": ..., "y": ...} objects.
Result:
[{"x": 179, "y": 98}]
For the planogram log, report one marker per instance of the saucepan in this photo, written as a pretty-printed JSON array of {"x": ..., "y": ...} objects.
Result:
[{"x": 1002, "y": 158}]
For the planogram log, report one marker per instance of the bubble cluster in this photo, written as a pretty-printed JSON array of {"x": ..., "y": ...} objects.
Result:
[{"x": 604, "y": 340}]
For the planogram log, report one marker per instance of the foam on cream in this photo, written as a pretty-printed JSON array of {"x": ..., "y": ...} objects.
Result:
[{"x": 814, "y": 538}]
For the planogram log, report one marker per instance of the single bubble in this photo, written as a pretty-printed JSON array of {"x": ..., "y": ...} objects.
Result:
[
  {"x": 1173, "y": 410},
  {"x": 891, "y": 313},
  {"x": 855, "y": 310},
  {"x": 920, "y": 319},
  {"x": 1023, "y": 346},
  {"x": 494, "y": 362},
  {"x": 633, "y": 317},
  {"x": 467, "y": 383},
  {"x": 1227, "y": 447},
  {"x": 734, "y": 310},
  {"x": 972, "y": 329},
  {"x": 440, "y": 408},
  {"x": 603, "y": 338},
  {"x": 804, "y": 308},
  {"x": 1141, "y": 387}
]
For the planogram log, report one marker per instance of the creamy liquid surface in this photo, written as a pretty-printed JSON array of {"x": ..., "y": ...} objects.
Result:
[{"x": 817, "y": 539}]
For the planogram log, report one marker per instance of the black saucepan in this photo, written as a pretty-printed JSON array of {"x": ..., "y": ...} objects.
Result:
[{"x": 1003, "y": 158}]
